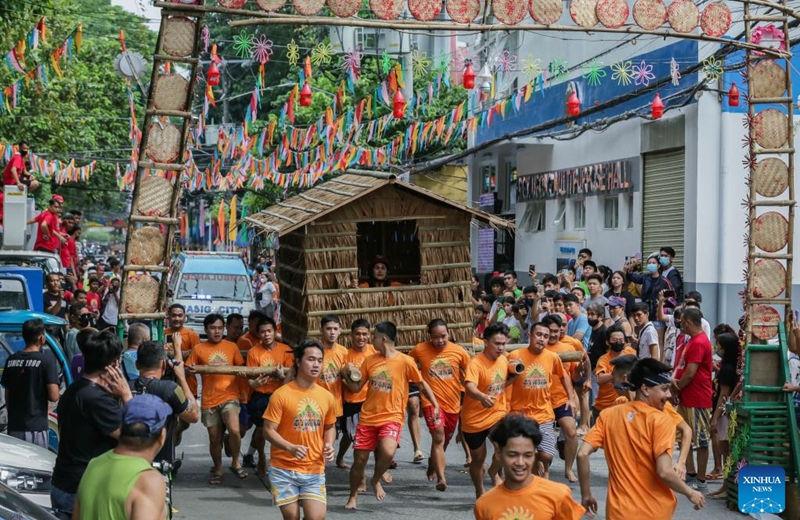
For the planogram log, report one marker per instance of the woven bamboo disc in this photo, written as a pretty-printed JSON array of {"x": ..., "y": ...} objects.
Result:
[
  {"x": 142, "y": 294},
  {"x": 546, "y": 12},
  {"x": 163, "y": 145},
  {"x": 583, "y": 12},
  {"x": 768, "y": 278},
  {"x": 770, "y": 177},
  {"x": 767, "y": 79},
  {"x": 612, "y": 13},
  {"x": 683, "y": 16},
  {"x": 308, "y": 7},
  {"x": 155, "y": 196},
  {"x": 716, "y": 19},
  {"x": 178, "y": 37},
  {"x": 510, "y": 12},
  {"x": 771, "y": 232},
  {"x": 386, "y": 9},
  {"x": 765, "y": 314},
  {"x": 172, "y": 92},
  {"x": 232, "y": 4},
  {"x": 147, "y": 246},
  {"x": 463, "y": 11},
  {"x": 274, "y": 5},
  {"x": 341, "y": 8},
  {"x": 425, "y": 10},
  {"x": 770, "y": 128},
  {"x": 649, "y": 14}
]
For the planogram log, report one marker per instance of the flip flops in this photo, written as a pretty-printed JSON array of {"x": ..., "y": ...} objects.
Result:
[
  {"x": 215, "y": 479},
  {"x": 239, "y": 472}
]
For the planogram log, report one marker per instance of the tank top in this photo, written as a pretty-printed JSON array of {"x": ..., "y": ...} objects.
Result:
[{"x": 107, "y": 483}]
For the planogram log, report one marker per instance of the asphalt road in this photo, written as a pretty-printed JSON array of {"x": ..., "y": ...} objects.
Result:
[{"x": 410, "y": 496}]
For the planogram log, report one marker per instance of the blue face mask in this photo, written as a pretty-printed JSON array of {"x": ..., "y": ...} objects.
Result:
[
  {"x": 651, "y": 268},
  {"x": 664, "y": 260}
]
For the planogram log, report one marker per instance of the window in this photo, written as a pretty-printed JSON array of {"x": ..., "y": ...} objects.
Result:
[
  {"x": 561, "y": 216},
  {"x": 611, "y": 213},
  {"x": 630, "y": 211},
  {"x": 488, "y": 178},
  {"x": 397, "y": 241},
  {"x": 579, "y": 214},
  {"x": 213, "y": 286},
  {"x": 534, "y": 218}
]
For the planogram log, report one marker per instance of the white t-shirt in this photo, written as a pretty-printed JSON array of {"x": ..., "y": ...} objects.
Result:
[
  {"x": 111, "y": 312},
  {"x": 267, "y": 291},
  {"x": 647, "y": 336}
]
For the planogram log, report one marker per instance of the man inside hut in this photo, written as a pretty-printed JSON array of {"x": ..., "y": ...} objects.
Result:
[
  {"x": 388, "y": 373},
  {"x": 443, "y": 365}
]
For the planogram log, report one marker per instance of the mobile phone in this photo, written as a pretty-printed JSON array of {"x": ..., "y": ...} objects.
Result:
[
  {"x": 796, "y": 315},
  {"x": 532, "y": 267},
  {"x": 669, "y": 294},
  {"x": 638, "y": 256},
  {"x": 627, "y": 259}
]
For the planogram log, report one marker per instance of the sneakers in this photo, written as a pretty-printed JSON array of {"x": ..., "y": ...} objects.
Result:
[{"x": 695, "y": 484}]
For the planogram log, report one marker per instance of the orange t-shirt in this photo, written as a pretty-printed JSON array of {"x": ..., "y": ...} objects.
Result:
[
  {"x": 301, "y": 414},
  {"x": 280, "y": 355},
  {"x": 442, "y": 369},
  {"x": 189, "y": 338},
  {"x": 541, "y": 499},
  {"x": 558, "y": 393},
  {"x": 490, "y": 378},
  {"x": 387, "y": 395},
  {"x": 606, "y": 395},
  {"x": 330, "y": 377},
  {"x": 248, "y": 341},
  {"x": 670, "y": 410},
  {"x": 356, "y": 359},
  {"x": 217, "y": 388},
  {"x": 632, "y": 437},
  {"x": 530, "y": 393}
]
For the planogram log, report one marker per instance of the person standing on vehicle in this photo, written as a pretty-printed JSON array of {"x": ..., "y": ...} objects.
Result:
[
  {"x": 49, "y": 235},
  {"x": 54, "y": 301},
  {"x": 30, "y": 378},
  {"x": 121, "y": 484}
]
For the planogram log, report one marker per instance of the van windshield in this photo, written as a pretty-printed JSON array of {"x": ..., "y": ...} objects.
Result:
[{"x": 201, "y": 286}]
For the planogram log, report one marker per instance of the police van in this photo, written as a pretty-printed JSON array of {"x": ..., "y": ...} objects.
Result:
[{"x": 206, "y": 282}]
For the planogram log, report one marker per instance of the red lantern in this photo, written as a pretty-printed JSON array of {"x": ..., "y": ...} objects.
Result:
[
  {"x": 305, "y": 95},
  {"x": 469, "y": 77},
  {"x": 399, "y": 104},
  {"x": 733, "y": 96},
  {"x": 212, "y": 76},
  {"x": 657, "y": 108},
  {"x": 574, "y": 104}
]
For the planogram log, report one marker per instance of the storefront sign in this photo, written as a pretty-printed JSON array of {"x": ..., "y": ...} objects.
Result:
[
  {"x": 596, "y": 179},
  {"x": 485, "y": 249}
]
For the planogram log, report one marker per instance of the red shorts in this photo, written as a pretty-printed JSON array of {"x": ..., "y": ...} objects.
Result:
[
  {"x": 448, "y": 421},
  {"x": 367, "y": 437}
]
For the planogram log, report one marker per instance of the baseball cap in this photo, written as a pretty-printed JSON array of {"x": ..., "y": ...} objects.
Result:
[
  {"x": 57, "y": 198},
  {"x": 146, "y": 409},
  {"x": 616, "y": 301}
]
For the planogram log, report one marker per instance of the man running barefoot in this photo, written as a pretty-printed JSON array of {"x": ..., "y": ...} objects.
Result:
[
  {"x": 331, "y": 378},
  {"x": 299, "y": 424},
  {"x": 485, "y": 401},
  {"x": 442, "y": 365},
  {"x": 388, "y": 373},
  {"x": 522, "y": 495}
]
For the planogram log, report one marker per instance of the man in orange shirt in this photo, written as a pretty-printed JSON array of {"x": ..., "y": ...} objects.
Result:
[
  {"x": 637, "y": 440},
  {"x": 267, "y": 354},
  {"x": 251, "y": 337},
  {"x": 300, "y": 425},
  {"x": 331, "y": 378},
  {"x": 485, "y": 401},
  {"x": 220, "y": 403},
  {"x": 176, "y": 317},
  {"x": 360, "y": 349},
  {"x": 615, "y": 345},
  {"x": 531, "y": 395},
  {"x": 442, "y": 365},
  {"x": 388, "y": 373},
  {"x": 522, "y": 495}
]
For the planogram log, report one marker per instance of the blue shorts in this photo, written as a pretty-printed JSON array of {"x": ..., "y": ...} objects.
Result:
[
  {"x": 290, "y": 486},
  {"x": 562, "y": 411},
  {"x": 256, "y": 406}
]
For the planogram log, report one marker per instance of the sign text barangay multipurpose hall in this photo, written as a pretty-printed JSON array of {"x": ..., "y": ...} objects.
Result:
[{"x": 596, "y": 179}]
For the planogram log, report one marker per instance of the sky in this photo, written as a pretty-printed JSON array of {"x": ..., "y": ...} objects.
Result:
[{"x": 142, "y": 8}]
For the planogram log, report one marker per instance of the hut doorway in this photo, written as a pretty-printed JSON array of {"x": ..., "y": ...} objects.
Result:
[{"x": 397, "y": 241}]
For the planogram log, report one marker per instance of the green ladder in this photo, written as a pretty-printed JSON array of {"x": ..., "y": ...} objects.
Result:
[{"x": 765, "y": 431}]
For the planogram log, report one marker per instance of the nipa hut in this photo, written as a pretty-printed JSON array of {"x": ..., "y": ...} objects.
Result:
[{"x": 329, "y": 234}]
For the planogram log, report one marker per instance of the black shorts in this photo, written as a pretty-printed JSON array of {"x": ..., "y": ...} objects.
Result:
[
  {"x": 349, "y": 420},
  {"x": 413, "y": 390},
  {"x": 477, "y": 439},
  {"x": 256, "y": 407}
]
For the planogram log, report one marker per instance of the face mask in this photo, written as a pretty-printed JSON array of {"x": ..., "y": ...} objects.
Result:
[
  {"x": 651, "y": 268},
  {"x": 664, "y": 260},
  {"x": 593, "y": 323},
  {"x": 617, "y": 347}
]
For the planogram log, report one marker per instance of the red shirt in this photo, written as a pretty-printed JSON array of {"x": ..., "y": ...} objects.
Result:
[
  {"x": 93, "y": 300},
  {"x": 69, "y": 253},
  {"x": 52, "y": 224},
  {"x": 16, "y": 162},
  {"x": 699, "y": 393}
]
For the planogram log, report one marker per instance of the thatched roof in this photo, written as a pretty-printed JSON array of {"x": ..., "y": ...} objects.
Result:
[{"x": 290, "y": 214}]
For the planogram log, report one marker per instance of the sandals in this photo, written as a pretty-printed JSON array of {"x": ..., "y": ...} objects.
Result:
[
  {"x": 239, "y": 472},
  {"x": 714, "y": 476},
  {"x": 215, "y": 479}
]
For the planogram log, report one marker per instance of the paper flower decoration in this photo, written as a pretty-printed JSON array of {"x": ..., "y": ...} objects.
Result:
[
  {"x": 243, "y": 44},
  {"x": 386, "y": 63},
  {"x": 262, "y": 49},
  {"x": 442, "y": 63},
  {"x": 505, "y": 61},
  {"x": 622, "y": 73},
  {"x": 351, "y": 62},
  {"x": 557, "y": 68},
  {"x": 593, "y": 72},
  {"x": 712, "y": 68},
  {"x": 772, "y": 37},
  {"x": 321, "y": 54},
  {"x": 643, "y": 74},
  {"x": 674, "y": 73},
  {"x": 420, "y": 63},
  {"x": 292, "y": 53},
  {"x": 531, "y": 66}
]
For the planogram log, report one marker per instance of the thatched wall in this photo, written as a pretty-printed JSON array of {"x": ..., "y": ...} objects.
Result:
[
  {"x": 329, "y": 261},
  {"x": 291, "y": 278}
]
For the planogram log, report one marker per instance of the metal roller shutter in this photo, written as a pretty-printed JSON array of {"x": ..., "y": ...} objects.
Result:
[{"x": 663, "y": 204}]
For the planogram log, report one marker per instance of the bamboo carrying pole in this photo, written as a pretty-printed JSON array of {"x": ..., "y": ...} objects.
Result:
[{"x": 232, "y": 370}]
